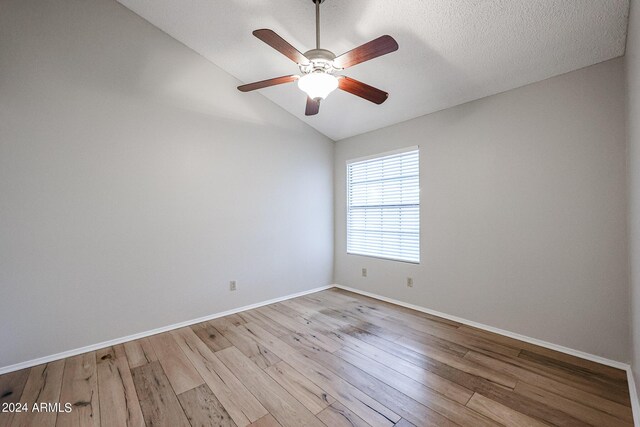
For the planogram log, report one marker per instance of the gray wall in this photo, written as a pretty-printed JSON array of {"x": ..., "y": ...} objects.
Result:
[
  {"x": 136, "y": 181},
  {"x": 632, "y": 59},
  {"x": 523, "y": 212}
]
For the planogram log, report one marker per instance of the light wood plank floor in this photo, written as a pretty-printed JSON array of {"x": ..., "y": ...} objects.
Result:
[{"x": 332, "y": 358}]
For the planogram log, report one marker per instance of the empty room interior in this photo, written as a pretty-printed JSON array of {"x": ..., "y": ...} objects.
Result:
[{"x": 319, "y": 213}]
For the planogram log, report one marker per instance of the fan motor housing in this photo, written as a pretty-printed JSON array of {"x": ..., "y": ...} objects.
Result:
[
  {"x": 320, "y": 54},
  {"x": 319, "y": 60}
]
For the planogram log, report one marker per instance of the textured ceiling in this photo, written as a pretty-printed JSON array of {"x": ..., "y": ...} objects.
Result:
[{"x": 450, "y": 52}]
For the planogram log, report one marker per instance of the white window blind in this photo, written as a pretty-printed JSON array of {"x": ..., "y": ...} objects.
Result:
[{"x": 383, "y": 206}]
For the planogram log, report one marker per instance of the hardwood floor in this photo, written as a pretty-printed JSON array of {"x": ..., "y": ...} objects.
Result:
[{"x": 332, "y": 358}]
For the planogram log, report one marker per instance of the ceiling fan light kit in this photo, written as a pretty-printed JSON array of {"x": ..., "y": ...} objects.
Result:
[
  {"x": 318, "y": 85},
  {"x": 318, "y": 67}
]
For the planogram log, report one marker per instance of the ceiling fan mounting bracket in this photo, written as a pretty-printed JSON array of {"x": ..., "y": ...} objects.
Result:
[{"x": 317, "y": 1}]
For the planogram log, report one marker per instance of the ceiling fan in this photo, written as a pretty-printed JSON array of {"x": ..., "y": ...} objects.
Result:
[{"x": 317, "y": 67}]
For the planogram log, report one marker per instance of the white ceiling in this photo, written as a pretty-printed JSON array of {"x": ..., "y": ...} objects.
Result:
[{"x": 451, "y": 51}]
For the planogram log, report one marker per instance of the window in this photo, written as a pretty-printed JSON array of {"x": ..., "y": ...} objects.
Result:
[{"x": 383, "y": 206}]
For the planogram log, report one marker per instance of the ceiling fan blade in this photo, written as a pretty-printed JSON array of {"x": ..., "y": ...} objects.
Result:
[
  {"x": 313, "y": 107},
  {"x": 362, "y": 90},
  {"x": 281, "y": 45},
  {"x": 378, "y": 47},
  {"x": 266, "y": 83}
]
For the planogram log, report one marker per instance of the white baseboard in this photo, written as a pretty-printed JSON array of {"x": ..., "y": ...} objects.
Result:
[
  {"x": 633, "y": 395},
  {"x": 598, "y": 359},
  {"x": 104, "y": 344},
  {"x": 535, "y": 341}
]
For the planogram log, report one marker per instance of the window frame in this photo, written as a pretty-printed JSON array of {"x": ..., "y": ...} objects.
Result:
[{"x": 347, "y": 185}]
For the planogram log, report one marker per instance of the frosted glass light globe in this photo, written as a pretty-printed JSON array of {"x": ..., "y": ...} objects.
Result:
[{"x": 318, "y": 85}]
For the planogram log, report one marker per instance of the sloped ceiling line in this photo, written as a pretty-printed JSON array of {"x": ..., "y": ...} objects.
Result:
[{"x": 450, "y": 52}]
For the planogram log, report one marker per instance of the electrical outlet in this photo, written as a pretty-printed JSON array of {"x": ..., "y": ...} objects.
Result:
[
  {"x": 364, "y": 272},
  {"x": 410, "y": 282},
  {"x": 232, "y": 285}
]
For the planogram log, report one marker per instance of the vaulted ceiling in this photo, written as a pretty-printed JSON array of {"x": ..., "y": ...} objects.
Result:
[{"x": 451, "y": 52}]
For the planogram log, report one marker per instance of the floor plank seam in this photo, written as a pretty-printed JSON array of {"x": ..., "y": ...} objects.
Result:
[{"x": 336, "y": 351}]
